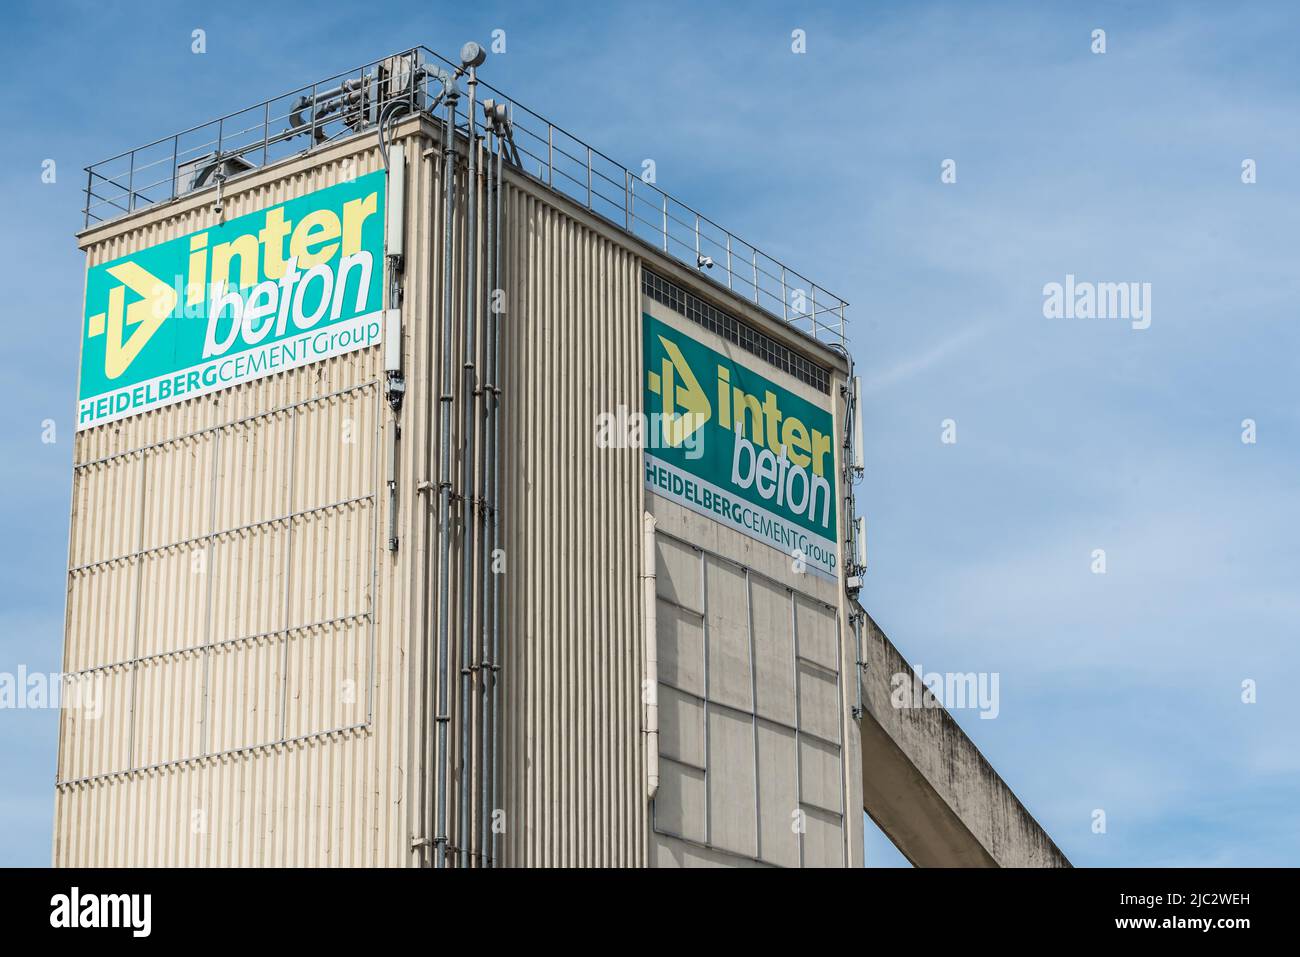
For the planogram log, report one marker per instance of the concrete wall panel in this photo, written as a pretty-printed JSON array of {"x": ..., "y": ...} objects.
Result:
[
  {"x": 732, "y": 808},
  {"x": 778, "y": 797}
]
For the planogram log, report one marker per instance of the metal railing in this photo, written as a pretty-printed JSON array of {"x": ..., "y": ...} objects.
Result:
[{"x": 349, "y": 103}]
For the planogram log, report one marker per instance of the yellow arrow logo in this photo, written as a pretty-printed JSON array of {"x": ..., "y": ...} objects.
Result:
[
  {"x": 146, "y": 314},
  {"x": 688, "y": 395}
]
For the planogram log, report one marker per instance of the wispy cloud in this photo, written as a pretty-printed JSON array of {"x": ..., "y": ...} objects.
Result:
[{"x": 908, "y": 368}]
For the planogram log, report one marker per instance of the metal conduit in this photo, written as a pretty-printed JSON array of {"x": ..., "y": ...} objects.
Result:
[
  {"x": 486, "y": 674},
  {"x": 444, "y": 473},
  {"x": 495, "y": 320},
  {"x": 492, "y": 484},
  {"x": 849, "y": 541}
]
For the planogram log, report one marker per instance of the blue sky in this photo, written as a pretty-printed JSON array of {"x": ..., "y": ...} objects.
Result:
[{"x": 1119, "y": 691}]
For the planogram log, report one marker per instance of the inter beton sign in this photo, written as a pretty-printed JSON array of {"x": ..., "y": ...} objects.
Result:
[
  {"x": 273, "y": 290},
  {"x": 735, "y": 446}
]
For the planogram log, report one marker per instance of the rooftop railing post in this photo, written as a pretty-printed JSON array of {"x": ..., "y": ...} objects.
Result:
[
  {"x": 697, "y": 239},
  {"x": 130, "y": 184},
  {"x": 221, "y": 132},
  {"x": 311, "y": 139},
  {"x": 362, "y": 93},
  {"x": 814, "y": 312},
  {"x": 843, "y": 340},
  {"x": 266, "y": 130},
  {"x": 550, "y": 155},
  {"x": 665, "y": 196},
  {"x": 785, "y": 298},
  {"x": 90, "y": 187},
  {"x": 754, "y": 261},
  {"x": 631, "y": 201},
  {"x": 176, "y": 164},
  {"x": 381, "y": 94},
  {"x": 728, "y": 260},
  {"x": 588, "y": 177}
]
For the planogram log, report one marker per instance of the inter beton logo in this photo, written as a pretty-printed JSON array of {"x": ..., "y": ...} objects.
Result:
[
  {"x": 688, "y": 396},
  {"x": 734, "y": 445},
  {"x": 255, "y": 295},
  {"x": 146, "y": 315}
]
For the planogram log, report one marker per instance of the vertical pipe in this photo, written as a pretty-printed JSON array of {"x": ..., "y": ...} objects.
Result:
[
  {"x": 857, "y": 671},
  {"x": 444, "y": 470},
  {"x": 845, "y": 736},
  {"x": 649, "y": 585},
  {"x": 467, "y": 474},
  {"x": 708, "y": 752},
  {"x": 798, "y": 723},
  {"x": 753, "y": 707},
  {"x": 391, "y": 482},
  {"x": 495, "y": 319},
  {"x": 487, "y": 676}
]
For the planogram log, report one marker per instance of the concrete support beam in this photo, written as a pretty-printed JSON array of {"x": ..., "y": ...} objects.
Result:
[{"x": 929, "y": 788}]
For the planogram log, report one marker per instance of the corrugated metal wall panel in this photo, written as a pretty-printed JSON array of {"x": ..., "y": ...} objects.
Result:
[{"x": 573, "y": 650}]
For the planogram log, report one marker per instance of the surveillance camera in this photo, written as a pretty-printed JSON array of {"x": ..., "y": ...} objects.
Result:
[{"x": 704, "y": 262}]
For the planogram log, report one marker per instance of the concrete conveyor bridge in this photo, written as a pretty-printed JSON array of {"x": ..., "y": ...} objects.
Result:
[{"x": 928, "y": 787}]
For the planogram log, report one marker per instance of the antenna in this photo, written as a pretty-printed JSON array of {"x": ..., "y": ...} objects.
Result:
[{"x": 859, "y": 455}]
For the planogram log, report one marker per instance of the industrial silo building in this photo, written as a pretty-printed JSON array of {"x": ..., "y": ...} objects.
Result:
[{"x": 446, "y": 494}]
